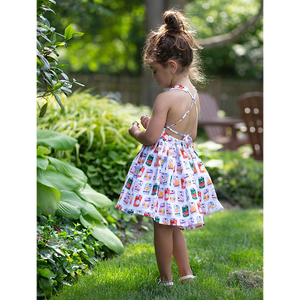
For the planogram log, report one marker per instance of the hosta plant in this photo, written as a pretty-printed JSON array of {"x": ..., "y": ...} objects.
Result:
[{"x": 62, "y": 189}]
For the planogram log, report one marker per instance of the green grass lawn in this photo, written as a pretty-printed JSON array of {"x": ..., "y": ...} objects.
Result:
[{"x": 231, "y": 240}]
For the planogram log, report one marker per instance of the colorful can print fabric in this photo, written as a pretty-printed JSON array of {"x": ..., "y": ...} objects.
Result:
[{"x": 169, "y": 183}]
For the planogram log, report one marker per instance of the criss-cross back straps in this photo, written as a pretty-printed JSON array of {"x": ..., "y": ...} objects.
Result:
[{"x": 185, "y": 89}]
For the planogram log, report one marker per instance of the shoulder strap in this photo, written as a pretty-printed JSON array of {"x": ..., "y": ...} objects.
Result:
[{"x": 185, "y": 89}]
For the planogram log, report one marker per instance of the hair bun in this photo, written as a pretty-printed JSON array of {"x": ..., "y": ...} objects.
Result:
[{"x": 174, "y": 22}]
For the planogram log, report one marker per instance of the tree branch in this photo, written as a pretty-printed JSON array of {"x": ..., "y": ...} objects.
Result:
[{"x": 221, "y": 40}]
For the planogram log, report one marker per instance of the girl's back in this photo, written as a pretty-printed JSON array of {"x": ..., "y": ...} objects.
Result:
[{"x": 180, "y": 103}]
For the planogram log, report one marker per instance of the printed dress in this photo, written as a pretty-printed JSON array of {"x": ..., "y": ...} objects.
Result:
[{"x": 168, "y": 182}]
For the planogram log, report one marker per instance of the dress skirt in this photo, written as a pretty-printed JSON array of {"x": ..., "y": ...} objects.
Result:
[{"x": 168, "y": 182}]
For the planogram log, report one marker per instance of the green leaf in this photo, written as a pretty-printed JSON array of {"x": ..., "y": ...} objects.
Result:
[
  {"x": 69, "y": 32},
  {"x": 103, "y": 234},
  {"x": 68, "y": 170},
  {"x": 46, "y": 273},
  {"x": 78, "y": 33},
  {"x": 68, "y": 210},
  {"x": 42, "y": 163},
  {"x": 60, "y": 181},
  {"x": 43, "y": 109},
  {"x": 42, "y": 150},
  {"x": 90, "y": 195},
  {"x": 59, "y": 102},
  {"x": 47, "y": 199},
  {"x": 56, "y": 140}
]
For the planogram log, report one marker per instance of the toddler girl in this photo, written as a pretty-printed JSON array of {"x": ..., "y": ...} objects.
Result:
[{"x": 167, "y": 180}]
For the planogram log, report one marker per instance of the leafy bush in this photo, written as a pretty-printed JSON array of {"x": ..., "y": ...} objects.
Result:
[
  {"x": 48, "y": 70},
  {"x": 236, "y": 179},
  {"x": 62, "y": 189},
  {"x": 65, "y": 250},
  {"x": 105, "y": 149}
]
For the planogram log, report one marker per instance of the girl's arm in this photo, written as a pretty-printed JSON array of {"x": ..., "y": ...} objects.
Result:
[{"x": 152, "y": 133}]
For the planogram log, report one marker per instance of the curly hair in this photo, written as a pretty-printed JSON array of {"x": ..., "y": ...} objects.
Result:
[{"x": 174, "y": 41}]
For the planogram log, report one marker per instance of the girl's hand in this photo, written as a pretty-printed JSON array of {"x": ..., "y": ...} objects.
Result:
[
  {"x": 135, "y": 127},
  {"x": 145, "y": 121}
]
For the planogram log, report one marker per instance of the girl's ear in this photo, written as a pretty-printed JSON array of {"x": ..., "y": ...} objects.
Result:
[{"x": 172, "y": 65}]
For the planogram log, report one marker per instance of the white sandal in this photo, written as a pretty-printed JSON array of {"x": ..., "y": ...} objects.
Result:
[
  {"x": 166, "y": 283},
  {"x": 187, "y": 277}
]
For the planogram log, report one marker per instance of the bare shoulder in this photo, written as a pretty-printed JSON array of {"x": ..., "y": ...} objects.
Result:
[{"x": 164, "y": 99}]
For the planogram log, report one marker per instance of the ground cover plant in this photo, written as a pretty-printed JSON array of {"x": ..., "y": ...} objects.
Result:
[
  {"x": 66, "y": 250},
  {"x": 226, "y": 255}
]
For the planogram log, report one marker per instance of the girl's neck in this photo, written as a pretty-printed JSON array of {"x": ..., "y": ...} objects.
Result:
[{"x": 181, "y": 80}]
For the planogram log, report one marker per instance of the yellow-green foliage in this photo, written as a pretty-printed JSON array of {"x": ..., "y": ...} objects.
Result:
[{"x": 105, "y": 148}]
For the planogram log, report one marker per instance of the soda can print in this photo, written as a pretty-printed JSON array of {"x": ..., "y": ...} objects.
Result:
[
  {"x": 199, "y": 220},
  {"x": 191, "y": 221},
  {"x": 165, "y": 221},
  {"x": 203, "y": 208},
  {"x": 149, "y": 160},
  {"x": 148, "y": 175},
  {"x": 208, "y": 180},
  {"x": 126, "y": 198},
  {"x": 128, "y": 183},
  {"x": 146, "y": 203},
  {"x": 156, "y": 219},
  {"x": 161, "y": 193},
  {"x": 167, "y": 194},
  {"x": 155, "y": 174},
  {"x": 206, "y": 194},
  {"x": 182, "y": 222},
  {"x": 155, "y": 189},
  {"x": 213, "y": 193},
  {"x": 142, "y": 158},
  {"x": 187, "y": 179},
  {"x": 177, "y": 211},
  {"x": 163, "y": 160},
  {"x": 173, "y": 222},
  {"x": 201, "y": 182},
  {"x": 194, "y": 194},
  {"x": 165, "y": 178},
  {"x": 141, "y": 171},
  {"x": 182, "y": 183},
  {"x": 187, "y": 195},
  {"x": 185, "y": 211},
  {"x": 176, "y": 181},
  {"x": 172, "y": 196},
  {"x": 171, "y": 164},
  {"x": 179, "y": 168},
  {"x": 138, "y": 185},
  {"x": 180, "y": 196},
  {"x": 169, "y": 209},
  {"x": 122, "y": 193},
  {"x": 162, "y": 208},
  {"x": 156, "y": 205},
  {"x": 137, "y": 200},
  {"x": 211, "y": 205},
  {"x": 132, "y": 168},
  {"x": 147, "y": 188},
  {"x": 193, "y": 208}
]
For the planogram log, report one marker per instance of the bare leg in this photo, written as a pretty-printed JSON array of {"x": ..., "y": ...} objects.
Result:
[
  {"x": 163, "y": 244},
  {"x": 180, "y": 253}
]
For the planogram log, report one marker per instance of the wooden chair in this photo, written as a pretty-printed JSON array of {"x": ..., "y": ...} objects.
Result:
[
  {"x": 215, "y": 127},
  {"x": 251, "y": 108}
]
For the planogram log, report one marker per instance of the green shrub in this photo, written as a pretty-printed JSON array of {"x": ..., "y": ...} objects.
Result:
[
  {"x": 65, "y": 251},
  {"x": 236, "y": 178},
  {"x": 63, "y": 190},
  {"x": 105, "y": 149}
]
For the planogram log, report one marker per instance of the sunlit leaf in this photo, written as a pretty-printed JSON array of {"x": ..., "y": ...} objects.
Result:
[
  {"x": 54, "y": 139},
  {"x": 47, "y": 199},
  {"x": 69, "y": 32}
]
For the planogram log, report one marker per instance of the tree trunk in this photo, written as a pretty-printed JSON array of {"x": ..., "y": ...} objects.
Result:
[{"x": 154, "y": 12}]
